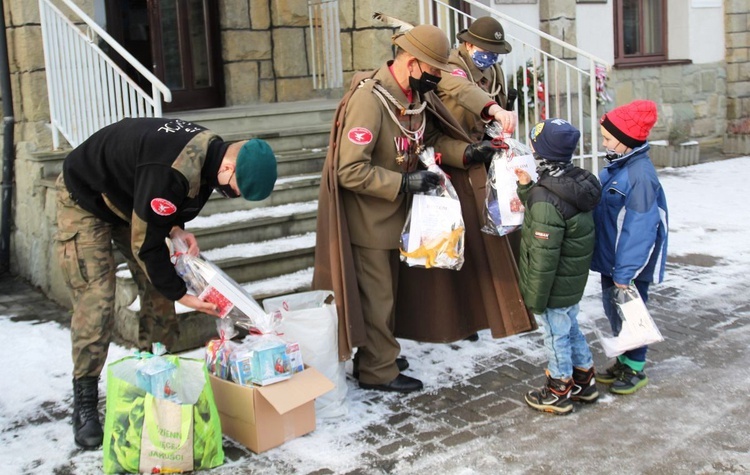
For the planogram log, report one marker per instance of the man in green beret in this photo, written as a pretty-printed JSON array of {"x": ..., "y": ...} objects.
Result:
[{"x": 135, "y": 183}]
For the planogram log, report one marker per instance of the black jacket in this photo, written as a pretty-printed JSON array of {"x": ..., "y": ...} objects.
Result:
[{"x": 150, "y": 173}]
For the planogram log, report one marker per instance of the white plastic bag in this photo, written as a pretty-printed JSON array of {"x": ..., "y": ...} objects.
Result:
[
  {"x": 310, "y": 319},
  {"x": 638, "y": 328}
]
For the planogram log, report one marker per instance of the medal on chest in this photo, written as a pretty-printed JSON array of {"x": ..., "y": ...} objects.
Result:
[
  {"x": 406, "y": 148},
  {"x": 411, "y": 121}
]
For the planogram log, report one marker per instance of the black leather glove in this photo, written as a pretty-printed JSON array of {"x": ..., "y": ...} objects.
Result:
[
  {"x": 419, "y": 181},
  {"x": 481, "y": 152}
]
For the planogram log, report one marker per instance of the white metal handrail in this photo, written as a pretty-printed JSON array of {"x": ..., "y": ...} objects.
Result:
[
  {"x": 86, "y": 89},
  {"x": 551, "y": 86},
  {"x": 325, "y": 28}
]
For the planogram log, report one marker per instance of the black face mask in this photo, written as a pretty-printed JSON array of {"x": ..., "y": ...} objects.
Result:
[
  {"x": 226, "y": 190},
  {"x": 426, "y": 82}
]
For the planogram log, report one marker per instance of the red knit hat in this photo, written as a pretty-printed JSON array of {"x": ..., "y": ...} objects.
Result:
[{"x": 631, "y": 123}]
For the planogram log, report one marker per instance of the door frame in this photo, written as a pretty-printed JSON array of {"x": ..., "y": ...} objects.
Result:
[{"x": 182, "y": 99}]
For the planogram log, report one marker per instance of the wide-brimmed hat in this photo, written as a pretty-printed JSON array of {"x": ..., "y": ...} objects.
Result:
[
  {"x": 427, "y": 43},
  {"x": 488, "y": 34}
]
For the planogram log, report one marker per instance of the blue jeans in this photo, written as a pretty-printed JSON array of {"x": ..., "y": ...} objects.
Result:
[
  {"x": 610, "y": 310},
  {"x": 566, "y": 346}
]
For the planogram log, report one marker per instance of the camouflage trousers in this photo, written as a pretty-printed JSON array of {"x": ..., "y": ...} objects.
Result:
[{"x": 84, "y": 249}]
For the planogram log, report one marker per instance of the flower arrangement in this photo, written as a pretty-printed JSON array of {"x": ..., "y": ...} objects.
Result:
[
  {"x": 533, "y": 76},
  {"x": 602, "y": 96}
]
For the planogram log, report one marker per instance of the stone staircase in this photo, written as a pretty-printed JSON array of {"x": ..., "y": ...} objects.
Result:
[{"x": 266, "y": 246}]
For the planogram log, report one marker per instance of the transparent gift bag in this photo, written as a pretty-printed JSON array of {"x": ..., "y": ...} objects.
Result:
[
  {"x": 208, "y": 282},
  {"x": 636, "y": 327},
  {"x": 503, "y": 210},
  {"x": 433, "y": 235}
]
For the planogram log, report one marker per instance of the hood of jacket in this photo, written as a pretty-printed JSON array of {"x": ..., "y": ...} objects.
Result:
[{"x": 577, "y": 187}]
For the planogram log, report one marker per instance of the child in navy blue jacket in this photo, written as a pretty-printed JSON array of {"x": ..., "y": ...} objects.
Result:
[{"x": 631, "y": 227}]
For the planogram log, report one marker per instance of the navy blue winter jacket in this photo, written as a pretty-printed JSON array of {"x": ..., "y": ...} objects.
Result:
[{"x": 631, "y": 221}]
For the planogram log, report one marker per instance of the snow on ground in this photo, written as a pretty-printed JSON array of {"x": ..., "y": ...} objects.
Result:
[{"x": 708, "y": 216}]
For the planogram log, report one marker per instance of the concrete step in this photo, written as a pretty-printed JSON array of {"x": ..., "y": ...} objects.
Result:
[
  {"x": 300, "y": 161},
  {"x": 290, "y": 189},
  {"x": 249, "y": 262},
  {"x": 290, "y": 162},
  {"x": 253, "y": 225},
  {"x": 263, "y": 118},
  {"x": 311, "y": 136},
  {"x": 285, "y": 125},
  {"x": 297, "y": 132}
]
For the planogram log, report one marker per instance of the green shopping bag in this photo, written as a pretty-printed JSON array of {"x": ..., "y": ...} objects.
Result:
[{"x": 143, "y": 432}]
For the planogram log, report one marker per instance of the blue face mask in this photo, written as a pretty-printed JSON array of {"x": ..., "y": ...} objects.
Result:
[{"x": 484, "y": 59}]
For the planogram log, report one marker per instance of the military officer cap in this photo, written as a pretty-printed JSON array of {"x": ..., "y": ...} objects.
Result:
[
  {"x": 427, "y": 43},
  {"x": 488, "y": 34}
]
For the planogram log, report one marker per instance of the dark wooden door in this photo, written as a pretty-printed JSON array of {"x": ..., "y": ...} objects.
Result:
[{"x": 179, "y": 41}]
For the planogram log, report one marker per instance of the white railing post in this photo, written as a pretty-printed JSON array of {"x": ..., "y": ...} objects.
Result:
[
  {"x": 325, "y": 42},
  {"x": 86, "y": 88},
  {"x": 559, "y": 91}
]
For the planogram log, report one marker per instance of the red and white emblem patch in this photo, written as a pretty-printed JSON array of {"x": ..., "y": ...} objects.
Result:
[
  {"x": 459, "y": 72},
  {"x": 163, "y": 207},
  {"x": 360, "y": 136}
]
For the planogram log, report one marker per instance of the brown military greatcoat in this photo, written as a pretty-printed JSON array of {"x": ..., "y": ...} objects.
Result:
[
  {"x": 467, "y": 90},
  {"x": 433, "y": 305}
]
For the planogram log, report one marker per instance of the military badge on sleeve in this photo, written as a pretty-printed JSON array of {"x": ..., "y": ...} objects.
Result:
[
  {"x": 163, "y": 207},
  {"x": 360, "y": 136}
]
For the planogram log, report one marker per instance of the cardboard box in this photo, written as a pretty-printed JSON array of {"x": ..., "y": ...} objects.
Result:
[{"x": 261, "y": 418}]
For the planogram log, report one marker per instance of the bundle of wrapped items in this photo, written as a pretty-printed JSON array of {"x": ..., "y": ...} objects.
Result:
[
  {"x": 155, "y": 374},
  {"x": 433, "y": 235},
  {"x": 503, "y": 211},
  {"x": 263, "y": 357}
]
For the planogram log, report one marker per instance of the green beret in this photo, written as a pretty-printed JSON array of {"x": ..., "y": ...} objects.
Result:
[{"x": 256, "y": 170}]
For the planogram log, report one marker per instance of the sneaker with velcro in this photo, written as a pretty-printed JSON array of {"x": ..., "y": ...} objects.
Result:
[
  {"x": 553, "y": 397},
  {"x": 628, "y": 382},
  {"x": 611, "y": 374},
  {"x": 584, "y": 386}
]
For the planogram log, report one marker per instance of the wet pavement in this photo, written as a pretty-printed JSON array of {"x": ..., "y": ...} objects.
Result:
[{"x": 691, "y": 418}]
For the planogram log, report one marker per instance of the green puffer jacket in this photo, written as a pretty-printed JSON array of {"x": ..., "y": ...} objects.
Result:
[{"x": 557, "y": 239}]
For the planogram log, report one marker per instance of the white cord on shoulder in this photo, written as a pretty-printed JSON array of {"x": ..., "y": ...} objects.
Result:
[{"x": 413, "y": 135}]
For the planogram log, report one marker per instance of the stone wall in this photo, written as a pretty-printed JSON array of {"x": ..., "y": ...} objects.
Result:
[
  {"x": 737, "y": 31},
  {"x": 33, "y": 206},
  {"x": 267, "y": 51},
  {"x": 691, "y": 98}
]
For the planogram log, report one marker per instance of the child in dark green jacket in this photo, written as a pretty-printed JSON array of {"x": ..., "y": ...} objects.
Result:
[{"x": 557, "y": 242}]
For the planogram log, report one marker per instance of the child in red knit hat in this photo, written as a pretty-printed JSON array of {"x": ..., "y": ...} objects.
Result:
[{"x": 631, "y": 228}]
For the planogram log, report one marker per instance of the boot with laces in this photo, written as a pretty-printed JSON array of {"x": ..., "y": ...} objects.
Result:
[{"x": 86, "y": 426}]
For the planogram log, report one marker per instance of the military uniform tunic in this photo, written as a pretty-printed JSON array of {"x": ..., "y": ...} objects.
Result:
[{"x": 467, "y": 91}]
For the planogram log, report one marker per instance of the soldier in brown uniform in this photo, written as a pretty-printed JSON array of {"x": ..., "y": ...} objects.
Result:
[
  {"x": 474, "y": 91},
  {"x": 135, "y": 183},
  {"x": 370, "y": 170}
]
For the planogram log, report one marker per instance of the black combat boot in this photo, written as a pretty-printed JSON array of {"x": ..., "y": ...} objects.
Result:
[{"x": 86, "y": 425}]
